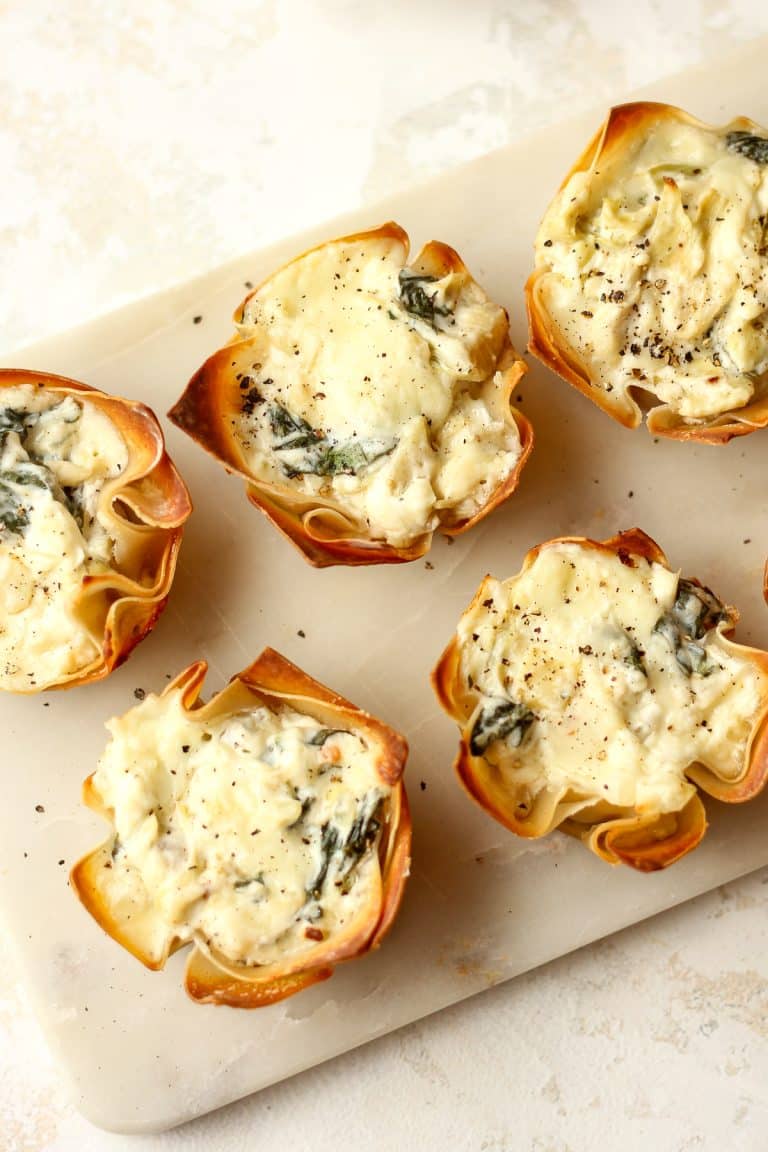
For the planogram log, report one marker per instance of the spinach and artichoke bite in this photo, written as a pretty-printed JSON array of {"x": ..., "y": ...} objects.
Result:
[
  {"x": 650, "y": 285},
  {"x": 91, "y": 517},
  {"x": 366, "y": 401},
  {"x": 599, "y": 692},
  {"x": 268, "y": 827}
]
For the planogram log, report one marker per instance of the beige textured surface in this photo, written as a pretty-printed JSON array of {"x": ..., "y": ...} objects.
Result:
[
  {"x": 613, "y": 1035},
  {"x": 141, "y": 144},
  {"x": 607, "y": 1040}
]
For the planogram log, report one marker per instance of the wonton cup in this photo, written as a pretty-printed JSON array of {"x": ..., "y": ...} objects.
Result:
[
  {"x": 627, "y": 124},
  {"x": 211, "y": 978},
  {"x": 646, "y": 840},
  {"x": 144, "y": 509},
  {"x": 319, "y": 525}
]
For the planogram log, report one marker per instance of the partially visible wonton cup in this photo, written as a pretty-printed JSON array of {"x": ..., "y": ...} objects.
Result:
[
  {"x": 599, "y": 692},
  {"x": 366, "y": 402},
  {"x": 650, "y": 289},
  {"x": 268, "y": 827},
  {"x": 91, "y": 517}
]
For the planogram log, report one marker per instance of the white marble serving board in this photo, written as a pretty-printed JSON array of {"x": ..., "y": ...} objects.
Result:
[{"x": 481, "y": 906}]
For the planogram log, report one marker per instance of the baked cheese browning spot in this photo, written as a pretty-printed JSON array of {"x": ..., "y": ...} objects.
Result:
[
  {"x": 606, "y": 679},
  {"x": 255, "y": 833},
  {"x": 652, "y": 266},
  {"x": 55, "y": 456},
  {"x": 371, "y": 388}
]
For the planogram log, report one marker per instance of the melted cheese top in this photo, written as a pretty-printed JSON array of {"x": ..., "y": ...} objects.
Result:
[
  {"x": 612, "y": 714},
  {"x": 253, "y": 833},
  {"x": 55, "y": 456},
  {"x": 655, "y": 269},
  {"x": 390, "y": 381}
]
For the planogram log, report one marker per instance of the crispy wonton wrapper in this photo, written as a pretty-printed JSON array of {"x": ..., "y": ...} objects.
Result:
[
  {"x": 626, "y": 124},
  {"x": 145, "y": 509},
  {"x": 210, "y": 977},
  {"x": 646, "y": 840},
  {"x": 320, "y": 526}
]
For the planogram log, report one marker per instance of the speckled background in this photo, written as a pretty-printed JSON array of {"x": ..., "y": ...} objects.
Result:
[{"x": 143, "y": 143}]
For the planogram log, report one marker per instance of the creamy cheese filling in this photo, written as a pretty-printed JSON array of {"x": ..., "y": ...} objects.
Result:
[
  {"x": 55, "y": 456},
  {"x": 655, "y": 267},
  {"x": 606, "y": 679},
  {"x": 377, "y": 387},
  {"x": 254, "y": 833}
]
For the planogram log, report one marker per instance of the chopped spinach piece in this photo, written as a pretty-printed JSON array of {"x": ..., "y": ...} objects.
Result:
[
  {"x": 14, "y": 516},
  {"x": 695, "y": 612},
  {"x": 14, "y": 512},
  {"x": 327, "y": 459},
  {"x": 75, "y": 502},
  {"x": 694, "y": 659},
  {"x": 32, "y": 472},
  {"x": 361, "y": 834},
  {"x": 11, "y": 420},
  {"x": 67, "y": 410},
  {"x": 350, "y": 848},
  {"x": 306, "y": 804},
  {"x": 291, "y": 431},
  {"x": 669, "y": 628},
  {"x": 635, "y": 656},
  {"x": 317, "y": 739},
  {"x": 697, "y": 609},
  {"x": 330, "y": 841},
  {"x": 762, "y": 244},
  {"x": 500, "y": 720},
  {"x": 35, "y": 475},
  {"x": 343, "y": 458},
  {"x": 321, "y": 456},
  {"x": 747, "y": 144},
  {"x": 417, "y": 300}
]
